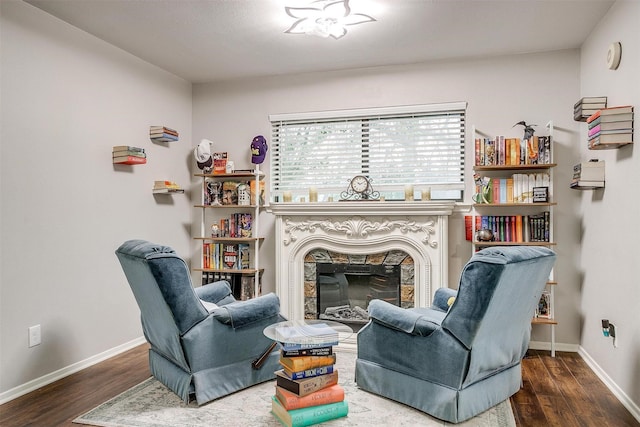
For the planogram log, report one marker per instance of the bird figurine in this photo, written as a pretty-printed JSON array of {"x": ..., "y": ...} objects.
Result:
[{"x": 528, "y": 129}]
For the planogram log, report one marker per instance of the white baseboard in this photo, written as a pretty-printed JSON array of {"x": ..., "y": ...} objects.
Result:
[
  {"x": 546, "y": 345},
  {"x": 611, "y": 385},
  {"x": 66, "y": 371}
]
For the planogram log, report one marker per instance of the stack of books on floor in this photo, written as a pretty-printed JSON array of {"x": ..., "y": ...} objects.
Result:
[
  {"x": 611, "y": 128},
  {"x": 164, "y": 187},
  {"x": 128, "y": 155},
  {"x": 307, "y": 389},
  {"x": 588, "y": 106},
  {"x": 163, "y": 134}
]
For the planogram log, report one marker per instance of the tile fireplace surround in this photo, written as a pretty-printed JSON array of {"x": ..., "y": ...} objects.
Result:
[{"x": 360, "y": 228}]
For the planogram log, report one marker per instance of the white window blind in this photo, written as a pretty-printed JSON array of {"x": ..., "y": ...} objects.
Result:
[{"x": 421, "y": 145}]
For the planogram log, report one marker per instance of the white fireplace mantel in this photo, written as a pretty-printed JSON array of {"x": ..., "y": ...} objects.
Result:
[{"x": 364, "y": 227}]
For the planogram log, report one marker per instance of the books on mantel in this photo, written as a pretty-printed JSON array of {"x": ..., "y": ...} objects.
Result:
[
  {"x": 307, "y": 390},
  {"x": 163, "y": 134},
  {"x": 588, "y": 106},
  {"x": 129, "y": 155},
  {"x": 611, "y": 127}
]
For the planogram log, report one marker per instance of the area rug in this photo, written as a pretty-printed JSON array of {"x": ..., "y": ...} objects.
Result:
[{"x": 151, "y": 404}]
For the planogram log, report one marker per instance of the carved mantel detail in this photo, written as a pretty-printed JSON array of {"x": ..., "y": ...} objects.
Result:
[
  {"x": 419, "y": 229},
  {"x": 361, "y": 228}
]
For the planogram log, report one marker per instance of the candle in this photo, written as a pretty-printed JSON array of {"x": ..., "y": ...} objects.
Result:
[
  {"x": 330, "y": 199},
  {"x": 408, "y": 192},
  {"x": 286, "y": 196},
  {"x": 313, "y": 194},
  {"x": 426, "y": 194},
  {"x": 302, "y": 200}
]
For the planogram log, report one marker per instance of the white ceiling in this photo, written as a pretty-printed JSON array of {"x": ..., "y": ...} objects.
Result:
[{"x": 213, "y": 40}]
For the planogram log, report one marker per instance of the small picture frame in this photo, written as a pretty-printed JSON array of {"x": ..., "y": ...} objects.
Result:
[{"x": 540, "y": 194}]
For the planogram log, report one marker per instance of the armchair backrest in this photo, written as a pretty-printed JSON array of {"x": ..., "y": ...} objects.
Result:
[
  {"x": 161, "y": 284},
  {"x": 498, "y": 292}
]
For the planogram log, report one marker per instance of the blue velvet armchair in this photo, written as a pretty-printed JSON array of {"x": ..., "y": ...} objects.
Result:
[
  {"x": 203, "y": 341},
  {"x": 456, "y": 362}
]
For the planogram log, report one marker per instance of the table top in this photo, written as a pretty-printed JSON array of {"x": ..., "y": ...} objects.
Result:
[{"x": 309, "y": 331}]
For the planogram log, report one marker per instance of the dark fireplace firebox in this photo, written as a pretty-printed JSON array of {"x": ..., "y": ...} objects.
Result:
[{"x": 345, "y": 290}]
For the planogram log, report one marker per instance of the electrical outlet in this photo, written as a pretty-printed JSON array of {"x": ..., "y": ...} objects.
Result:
[{"x": 35, "y": 336}]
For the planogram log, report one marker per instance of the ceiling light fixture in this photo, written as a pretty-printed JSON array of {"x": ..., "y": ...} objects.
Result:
[{"x": 325, "y": 18}]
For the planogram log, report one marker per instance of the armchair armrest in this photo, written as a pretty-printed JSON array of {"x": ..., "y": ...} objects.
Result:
[
  {"x": 421, "y": 322},
  {"x": 441, "y": 297},
  {"x": 243, "y": 313},
  {"x": 217, "y": 292}
]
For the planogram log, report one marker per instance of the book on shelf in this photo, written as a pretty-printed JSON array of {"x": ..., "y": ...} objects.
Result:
[
  {"x": 244, "y": 256},
  {"x": 625, "y": 109},
  {"x": 121, "y": 153},
  {"x": 610, "y": 125},
  {"x": 230, "y": 256},
  {"x": 257, "y": 188},
  {"x": 163, "y": 137},
  {"x": 589, "y": 171},
  {"x": 230, "y": 192},
  {"x": 301, "y": 363},
  {"x": 318, "y": 351},
  {"x": 613, "y": 118},
  {"x": 577, "y": 183},
  {"x": 127, "y": 148},
  {"x": 129, "y": 160},
  {"x": 611, "y": 138},
  {"x": 543, "y": 310},
  {"x": 212, "y": 192},
  {"x": 290, "y": 401},
  {"x": 308, "y": 416},
  {"x": 247, "y": 287},
  {"x": 163, "y": 129},
  {"x": 164, "y": 187},
  {"x": 305, "y": 386},
  {"x": 220, "y": 163}
]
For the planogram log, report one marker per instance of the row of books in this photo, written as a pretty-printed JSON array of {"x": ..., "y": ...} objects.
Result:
[
  {"x": 242, "y": 286},
  {"x": 307, "y": 390},
  {"x": 163, "y": 134},
  {"x": 237, "y": 225},
  {"x": 221, "y": 256},
  {"x": 610, "y": 126},
  {"x": 129, "y": 155},
  {"x": 162, "y": 187},
  {"x": 519, "y": 188},
  {"x": 512, "y": 228},
  {"x": 588, "y": 106},
  {"x": 501, "y": 151}
]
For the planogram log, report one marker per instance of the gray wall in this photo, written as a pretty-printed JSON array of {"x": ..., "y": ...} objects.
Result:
[
  {"x": 67, "y": 99},
  {"x": 607, "y": 259}
]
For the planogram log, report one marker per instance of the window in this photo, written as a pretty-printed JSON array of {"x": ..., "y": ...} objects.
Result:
[{"x": 421, "y": 145}]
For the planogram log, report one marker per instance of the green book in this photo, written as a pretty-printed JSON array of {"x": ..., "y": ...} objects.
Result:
[{"x": 310, "y": 415}]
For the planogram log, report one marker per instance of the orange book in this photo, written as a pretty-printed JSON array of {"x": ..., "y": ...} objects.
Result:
[
  {"x": 300, "y": 363},
  {"x": 519, "y": 228},
  {"x": 290, "y": 400}
]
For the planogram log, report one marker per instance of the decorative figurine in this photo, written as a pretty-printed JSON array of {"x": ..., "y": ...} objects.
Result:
[{"x": 528, "y": 129}]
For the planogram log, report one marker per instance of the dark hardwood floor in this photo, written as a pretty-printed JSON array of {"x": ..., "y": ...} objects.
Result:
[{"x": 560, "y": 391}]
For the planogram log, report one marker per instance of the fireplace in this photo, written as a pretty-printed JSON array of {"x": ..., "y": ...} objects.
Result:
[
  {"x": 339, "y": 286},
  {"x": 356, "y": 231}
]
